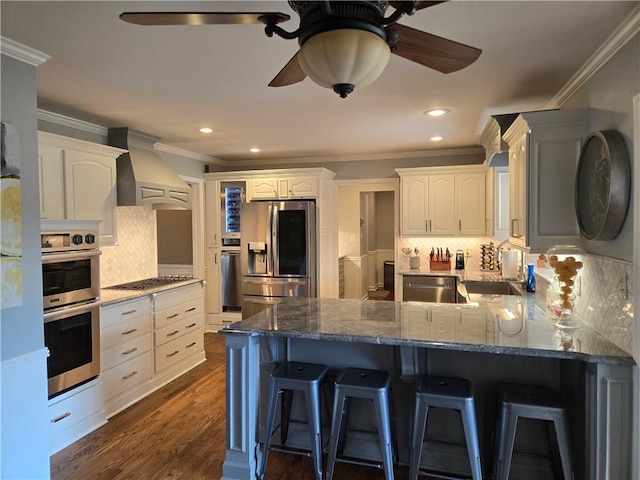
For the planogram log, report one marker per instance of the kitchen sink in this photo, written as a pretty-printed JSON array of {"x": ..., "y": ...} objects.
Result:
[{"x": 491, "y": 288}]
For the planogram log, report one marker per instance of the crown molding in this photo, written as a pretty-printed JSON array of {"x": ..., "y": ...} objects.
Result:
[
  {"x": 451, "y": 152},
  {"x": 618, "y": 38},
  {"x": 21, "y": 52},
  {"x": 66, "y": 121},
  {"x": 188, "y": 154}
]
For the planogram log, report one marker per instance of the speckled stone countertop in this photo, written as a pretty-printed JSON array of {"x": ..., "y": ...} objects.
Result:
[
  {"x": 499, "y": 324},
  {"x": 111, "y": 296}
]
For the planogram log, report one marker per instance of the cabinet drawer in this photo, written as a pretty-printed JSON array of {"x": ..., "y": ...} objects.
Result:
[
  {"x": 179, "y": 349},
  {"x": 122, "y": 312},
  {"x": 71, "y": 410},
  {"x": 125, "y": 351},
  {"x": 176, "y": 296},
  {"x": 125, "y": 376},
  {"x": 124, "y": 332},
  {"x": 177, "y": 313},
  {"x": 177, "y": 329}
]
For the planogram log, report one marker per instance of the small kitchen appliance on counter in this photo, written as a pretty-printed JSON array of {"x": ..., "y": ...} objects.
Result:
[{"x": 459, "y": 260}]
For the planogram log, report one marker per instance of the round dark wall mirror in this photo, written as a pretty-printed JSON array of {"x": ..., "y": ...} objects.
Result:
[{"x": 603, "y": 184}]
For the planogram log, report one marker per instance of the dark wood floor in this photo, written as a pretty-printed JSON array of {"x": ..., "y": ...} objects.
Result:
[{"x": 178, "y": 432}]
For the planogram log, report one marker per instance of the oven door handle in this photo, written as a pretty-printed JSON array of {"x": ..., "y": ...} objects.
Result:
[
  {"x": 56, "y": 257},
  {"x": 49, "y": 316}
]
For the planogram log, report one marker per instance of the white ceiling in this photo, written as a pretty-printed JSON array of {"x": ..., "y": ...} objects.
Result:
[{"x": 170, "y": 81}]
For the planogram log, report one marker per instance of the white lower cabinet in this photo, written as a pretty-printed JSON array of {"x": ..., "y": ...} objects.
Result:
[
  {"x": 178, "y": 326},
  {"x": 126, "y": 359},
  {"x": 74, "y": 414},
  {"x": 149, "y": 341}
]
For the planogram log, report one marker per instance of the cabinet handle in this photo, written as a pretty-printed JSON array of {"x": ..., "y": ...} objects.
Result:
[
  {"x": 129, "y": 312},
  {"x": 126, "y": 377},
  {"x": 459, "y": 225},
  {"x": 429, "y": 225},
  {"x": 215, "y": 258},
  {"x": 175, "y": 332},
  {"x": 192, "y": 325},
  {"x": 61, "y": 417},
  {"x": 191, "y": 345},
  {"x": 190, "y": 309},
  {"x": 174, "y": 353},
  {"x": 130, "y": 351},
  {"x": 426, "y": 224},
  {"x": 173, "y": 316},
  {"x": 128, "y": 332},
  {"x": 215, "y": 239}
]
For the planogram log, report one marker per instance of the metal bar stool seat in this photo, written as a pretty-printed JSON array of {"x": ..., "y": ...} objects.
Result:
[
  {"x": 285, "y": 379},
  {"x": 535, "y": 402},
  {"x": 366, "y": 384},
  {"x": 451, "y": 393}
]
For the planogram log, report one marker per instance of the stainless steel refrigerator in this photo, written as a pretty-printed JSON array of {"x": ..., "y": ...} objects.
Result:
[{"x": 278, "y": 253}]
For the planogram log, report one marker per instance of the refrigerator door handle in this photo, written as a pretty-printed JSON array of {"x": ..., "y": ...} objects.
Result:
[{"x": 274, "y": 257}]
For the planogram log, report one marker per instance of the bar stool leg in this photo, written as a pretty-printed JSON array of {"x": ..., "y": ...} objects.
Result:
[
  {"x": 271, "y": 413},
  {"x": 468, "y": 414},
  {"x": 285, "y": 414},
  {"x": 383, "y": 419},
  {"x": 417, "y": 436},
  {"x": 561, "y": 425},
  {"x": 336, "y": 427},
  {"x": 505, "y": 447},
  {"x": 313, "y": 413}
]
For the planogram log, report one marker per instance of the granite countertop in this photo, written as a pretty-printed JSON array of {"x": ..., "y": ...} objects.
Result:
[
  {"x": 111, "y": 296},
  {"x": 496, "y": 324}
]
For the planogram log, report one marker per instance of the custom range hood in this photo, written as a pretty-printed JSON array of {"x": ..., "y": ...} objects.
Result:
[{"x": 143, "y": 177}]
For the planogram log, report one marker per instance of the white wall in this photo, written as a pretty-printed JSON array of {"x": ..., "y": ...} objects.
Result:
[{"x": 23, "y": 384}]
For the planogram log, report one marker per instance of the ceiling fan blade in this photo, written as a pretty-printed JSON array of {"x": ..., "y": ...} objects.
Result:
[
  {"x": 290, "y": 74},
  {"x": 435, "y": 52},
  {"x": 200, "y": 18},
  {"x": 404, "y": 5}
]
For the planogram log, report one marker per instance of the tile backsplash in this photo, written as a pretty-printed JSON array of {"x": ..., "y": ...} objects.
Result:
[
  {"x": 135, "y": 256},
  {"x": 606, "y": 300}
]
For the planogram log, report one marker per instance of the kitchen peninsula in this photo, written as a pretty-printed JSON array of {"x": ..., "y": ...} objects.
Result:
[{"x": 494, "y": 339}]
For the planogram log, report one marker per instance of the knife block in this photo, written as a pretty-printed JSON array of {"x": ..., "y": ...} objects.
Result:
[{"x": 440, "y": 264}]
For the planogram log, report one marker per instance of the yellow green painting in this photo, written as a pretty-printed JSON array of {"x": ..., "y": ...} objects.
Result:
[{"x": 10, "y": 221}]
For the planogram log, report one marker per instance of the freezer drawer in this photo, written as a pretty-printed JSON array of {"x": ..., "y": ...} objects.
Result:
[
  {"x": 275, "y": 287},
  {"x": 437, "y": 289}
]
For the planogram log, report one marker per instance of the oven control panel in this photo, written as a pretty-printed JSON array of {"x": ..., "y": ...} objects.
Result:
[{"x": 68, "y": 241}]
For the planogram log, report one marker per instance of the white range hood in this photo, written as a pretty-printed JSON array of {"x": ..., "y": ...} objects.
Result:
[{"x": 143, "y": 177}]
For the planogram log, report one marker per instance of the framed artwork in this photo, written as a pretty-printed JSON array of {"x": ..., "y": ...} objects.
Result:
[{"x": 10, "y": 220}]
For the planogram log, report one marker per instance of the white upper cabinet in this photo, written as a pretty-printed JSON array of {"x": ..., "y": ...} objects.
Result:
[
  {"x": 443, "y": 201},
  {"x": 78, "y": 181},
  {"x": 544, "y": 148},
  {"x": 283, "y": 188},
  {"x": 470, "y": 204}
]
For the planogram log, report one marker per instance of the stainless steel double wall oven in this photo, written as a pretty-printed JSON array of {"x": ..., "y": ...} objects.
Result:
[{"x": 71, "y": 292}]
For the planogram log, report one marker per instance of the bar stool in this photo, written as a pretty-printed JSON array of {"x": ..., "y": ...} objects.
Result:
[
  {"x": 541, "y": 403},
  {"x": 367, "y": 384},
  {"x": 287, "y": 378},
  {"x": 451, "y": 393}
]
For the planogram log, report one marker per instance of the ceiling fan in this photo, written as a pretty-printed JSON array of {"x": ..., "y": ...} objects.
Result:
[{"x": 342, "y": 44}]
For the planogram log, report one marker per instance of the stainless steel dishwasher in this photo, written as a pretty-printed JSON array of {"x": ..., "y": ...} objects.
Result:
[
  {"x": 231, "y": 289},
  {"x": 424, "y": 288}
]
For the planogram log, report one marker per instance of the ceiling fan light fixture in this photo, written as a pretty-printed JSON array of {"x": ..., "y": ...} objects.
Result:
[{"x": 344, "y": 59}]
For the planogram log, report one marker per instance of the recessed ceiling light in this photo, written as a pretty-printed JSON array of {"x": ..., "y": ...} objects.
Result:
[
  {"x": 254, "y": 150},
  {"x": 437, "y": 112},
  {"x": 435, "y": 138},
  {"x": 206, "y": 130}
]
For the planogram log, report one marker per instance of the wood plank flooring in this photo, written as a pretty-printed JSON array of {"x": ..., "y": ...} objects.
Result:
[{"x": 178, "y": 432}]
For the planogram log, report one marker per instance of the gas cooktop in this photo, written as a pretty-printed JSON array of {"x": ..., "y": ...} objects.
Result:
[{"x": 148, "y": 283}]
